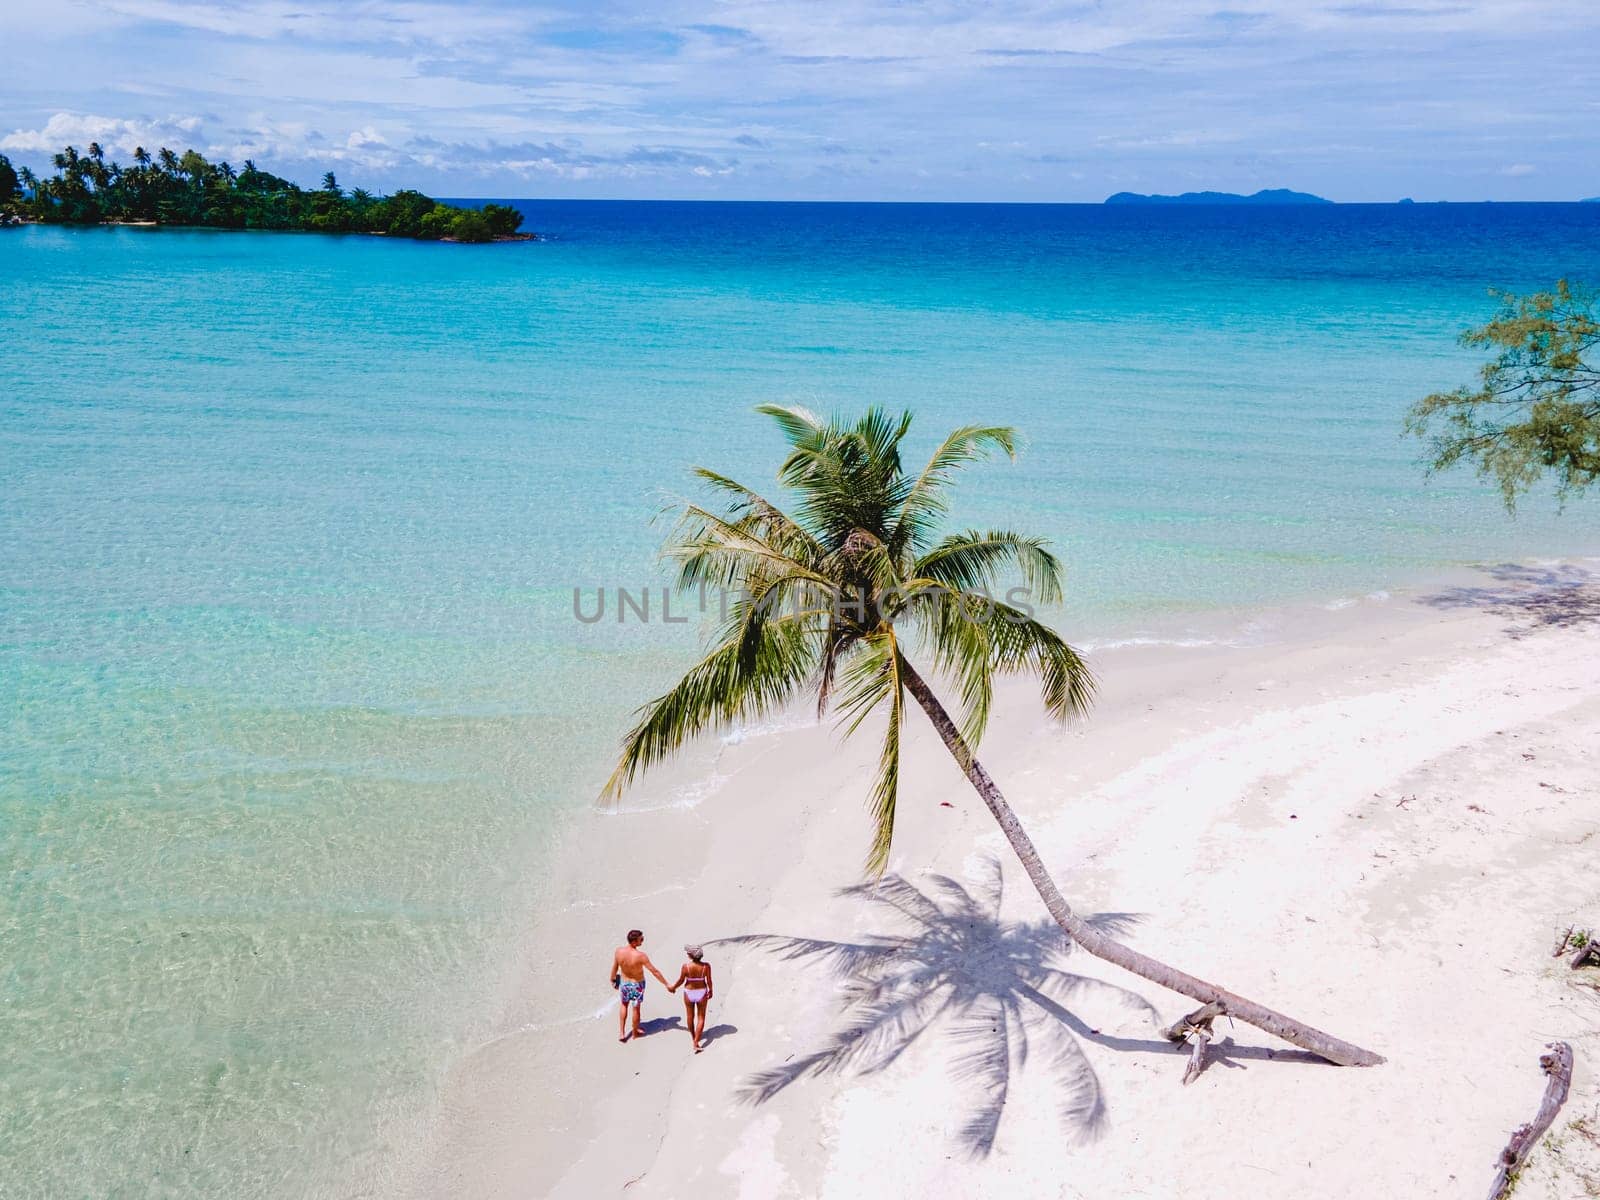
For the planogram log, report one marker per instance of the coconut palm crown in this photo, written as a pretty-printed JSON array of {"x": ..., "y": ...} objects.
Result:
[{"x": 835, "y": 596}]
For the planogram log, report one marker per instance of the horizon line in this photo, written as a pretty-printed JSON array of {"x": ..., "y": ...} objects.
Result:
[{"x": 1404, "y": 202}]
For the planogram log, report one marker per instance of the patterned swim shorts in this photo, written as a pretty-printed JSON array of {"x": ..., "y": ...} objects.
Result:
[{"x": 632, "y": 992}]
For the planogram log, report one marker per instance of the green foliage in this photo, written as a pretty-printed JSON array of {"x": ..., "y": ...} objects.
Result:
[
  {"x": 9, "y": 186},
  {"x": 833, "y": 598},
  {"x": 1536, "y": 408},
  {"x": 169, "y": 189},
  {"x": 503, "y": 219},
  {"x": 436, "y": 223},
  {"x": 470, "y": 227},
  {"x": 401, "y": 214}
]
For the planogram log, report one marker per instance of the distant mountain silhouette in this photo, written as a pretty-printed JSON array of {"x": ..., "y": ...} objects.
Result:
[{"x": 1265, "y": 196}]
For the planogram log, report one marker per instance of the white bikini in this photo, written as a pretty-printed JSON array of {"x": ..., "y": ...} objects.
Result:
[{"x": 696, "y": 995}]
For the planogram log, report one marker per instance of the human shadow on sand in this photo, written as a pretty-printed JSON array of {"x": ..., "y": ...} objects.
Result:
[
  {"x": 1533, "y": 597},
  {"x": 994, "y": 990},
  {"x": 660, "y": 1025}
]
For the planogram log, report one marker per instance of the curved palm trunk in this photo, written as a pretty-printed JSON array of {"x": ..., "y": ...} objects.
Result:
[{"x": 1323, "y": 1044}]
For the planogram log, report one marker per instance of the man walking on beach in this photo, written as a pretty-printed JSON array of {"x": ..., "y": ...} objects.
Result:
[{"x": 628, "y": 966}]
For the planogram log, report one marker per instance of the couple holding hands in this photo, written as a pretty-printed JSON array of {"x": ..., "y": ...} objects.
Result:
[{"x": 628, "y": 965}]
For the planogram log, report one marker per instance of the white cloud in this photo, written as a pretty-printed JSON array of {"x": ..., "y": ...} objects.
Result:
[
  {"x": 1325, "y": 95},
  {"x": 117, "y": 135}
]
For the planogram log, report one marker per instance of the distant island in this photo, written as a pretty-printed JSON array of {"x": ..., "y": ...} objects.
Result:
[
  {"x": 1265, "y": 196},
  {"x": 188, "y": 190}
]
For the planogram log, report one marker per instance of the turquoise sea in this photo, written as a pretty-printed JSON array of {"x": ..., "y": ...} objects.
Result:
[{"x": 290, "y": 526}]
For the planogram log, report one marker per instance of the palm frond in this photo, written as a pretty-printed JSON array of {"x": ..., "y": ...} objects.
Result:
[
  {"x": 799, "y": 424},
  {"x": 924, "y": 501},
  {"x": 711, "y": 549},
  {"x": 976, "y": 561},
  {"x": 1022, "y": 643},
  {"x": 835, "y": 642},
  {"x": 963, "y": 647},
  {"x": 761, "y": 514},
  {"x": 879, "y": 436},
  {"x": 848, "y": 477},
  {"x": 811, "y": 441},
  {"x": 749, "y": 674},
  {"x": 874, "y": 678},
  {"x": 974, "y": 637}
]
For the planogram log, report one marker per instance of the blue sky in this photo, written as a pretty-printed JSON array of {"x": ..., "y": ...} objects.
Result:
[{"x": 863, "y": 100}]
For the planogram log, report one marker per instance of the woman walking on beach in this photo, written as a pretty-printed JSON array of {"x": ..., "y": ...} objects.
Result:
[{"x": 695, "y": 979}]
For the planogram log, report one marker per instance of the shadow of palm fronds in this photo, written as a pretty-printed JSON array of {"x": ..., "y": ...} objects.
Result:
[{"x": 996, "y": 991}]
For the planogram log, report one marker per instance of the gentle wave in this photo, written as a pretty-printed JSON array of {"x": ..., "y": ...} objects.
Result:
[{"x": 1097, "y": 646}]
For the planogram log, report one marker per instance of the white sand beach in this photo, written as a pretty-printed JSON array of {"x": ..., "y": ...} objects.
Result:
[{"x": 1374, "y": 816}]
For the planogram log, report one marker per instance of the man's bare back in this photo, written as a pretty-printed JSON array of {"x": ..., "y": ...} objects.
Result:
[{"x": 631, "y": 963}]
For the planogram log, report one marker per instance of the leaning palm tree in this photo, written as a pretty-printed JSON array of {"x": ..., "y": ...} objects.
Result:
[{"x": 835, "y": 599}]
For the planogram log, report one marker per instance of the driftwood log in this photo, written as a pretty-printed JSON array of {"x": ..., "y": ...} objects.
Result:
[
  {"x": 1556, "y": 1063},
  {"x": 1196, "y": 1030}
]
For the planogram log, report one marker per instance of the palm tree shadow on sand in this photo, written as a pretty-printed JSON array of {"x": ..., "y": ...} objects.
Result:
[{"x": 995, "y": 990}]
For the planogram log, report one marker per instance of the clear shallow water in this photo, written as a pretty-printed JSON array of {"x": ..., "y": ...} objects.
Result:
[{"x": 290, "y": 525}]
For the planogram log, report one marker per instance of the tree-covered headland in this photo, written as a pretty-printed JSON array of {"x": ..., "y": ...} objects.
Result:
[{"x": 188, "y": 189}]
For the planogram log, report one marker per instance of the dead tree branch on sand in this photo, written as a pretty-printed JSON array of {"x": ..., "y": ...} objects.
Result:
[
  {"x": 1585, "y": 948},
  {"x": 1196, "y": 1030},
  {"x": 1556, "y": 1063}
]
